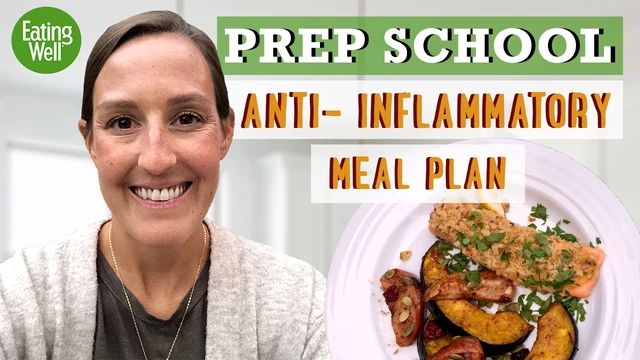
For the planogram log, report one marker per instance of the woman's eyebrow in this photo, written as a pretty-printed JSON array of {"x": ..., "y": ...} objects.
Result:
[
  {"x": 124, "y": 104},
  {"x": 116, "y": 103},
  {"x": 188, "y": 98}
]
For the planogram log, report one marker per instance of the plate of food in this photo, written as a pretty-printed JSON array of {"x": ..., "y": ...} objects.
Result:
[{"x": 551, "y": 278}]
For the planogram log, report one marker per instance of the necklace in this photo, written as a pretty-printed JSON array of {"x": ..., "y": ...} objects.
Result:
[{"x": 126, "y": 295}]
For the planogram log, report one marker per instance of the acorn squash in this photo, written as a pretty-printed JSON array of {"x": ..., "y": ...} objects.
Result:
[{"x": 557, "y": 337}]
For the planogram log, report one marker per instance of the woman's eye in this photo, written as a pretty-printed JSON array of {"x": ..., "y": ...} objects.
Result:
[
  {"x": 188, "y": 119},
  {"x": 122, "y": 123}
]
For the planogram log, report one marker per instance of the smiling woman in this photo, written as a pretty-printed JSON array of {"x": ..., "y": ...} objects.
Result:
[{"x": 158, "y": 280}]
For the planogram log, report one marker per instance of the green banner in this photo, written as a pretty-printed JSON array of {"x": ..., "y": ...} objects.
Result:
[{"x": 420, "y": 45}]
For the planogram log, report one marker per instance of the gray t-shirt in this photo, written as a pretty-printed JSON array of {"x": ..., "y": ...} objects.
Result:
[{"x": 116, "y": 338}]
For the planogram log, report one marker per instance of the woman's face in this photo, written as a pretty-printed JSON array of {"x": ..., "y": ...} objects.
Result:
[{"x": 157, "y": 139}]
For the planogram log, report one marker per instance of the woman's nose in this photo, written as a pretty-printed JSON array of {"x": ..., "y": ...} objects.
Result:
[{"x": 157, "y": 154}]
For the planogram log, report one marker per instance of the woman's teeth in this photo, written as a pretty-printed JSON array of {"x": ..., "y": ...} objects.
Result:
[{"x": 160, "y": 194}]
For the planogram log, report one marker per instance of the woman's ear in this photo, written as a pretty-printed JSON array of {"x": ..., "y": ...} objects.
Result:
[
  {"x": 87, "y": 135},
  {"x": 227, "y": 132}
]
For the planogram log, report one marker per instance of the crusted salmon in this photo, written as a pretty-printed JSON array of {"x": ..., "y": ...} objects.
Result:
[{"x": 546, "y": 263}]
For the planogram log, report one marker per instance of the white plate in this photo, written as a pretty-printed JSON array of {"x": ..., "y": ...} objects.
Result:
[{"x": 357, "y": 324}]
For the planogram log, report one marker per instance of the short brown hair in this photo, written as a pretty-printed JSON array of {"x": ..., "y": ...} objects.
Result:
[{"x": 147, "y": 23}]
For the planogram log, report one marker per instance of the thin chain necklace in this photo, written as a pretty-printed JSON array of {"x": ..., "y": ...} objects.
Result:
[{"x": 126, "y": 295}]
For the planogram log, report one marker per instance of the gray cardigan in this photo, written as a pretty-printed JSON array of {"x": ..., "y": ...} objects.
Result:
[{"x": 261, "y": 305}]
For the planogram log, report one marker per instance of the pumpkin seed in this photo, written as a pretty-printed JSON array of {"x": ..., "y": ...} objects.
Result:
[
  {"x": 404, "y": 316},
  {"x": 408, "y": 330},
  {"x": 515, "y": 307},
  {"x": 407, "y": 301},
  {"x": 456, "y": 357},
  {"x": 512, "y": 307},
  {"x": 389, "y": 274},
  {"x": 407, "y": 280}
]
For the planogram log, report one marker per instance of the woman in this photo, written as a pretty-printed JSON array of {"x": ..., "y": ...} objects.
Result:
[{"x": 158, "y": 280}]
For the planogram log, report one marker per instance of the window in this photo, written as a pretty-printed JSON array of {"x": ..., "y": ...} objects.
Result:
[{"x": 51, "y": 193}]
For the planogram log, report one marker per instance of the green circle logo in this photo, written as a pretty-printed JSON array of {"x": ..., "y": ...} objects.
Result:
[{"x": 46, "y": 40}]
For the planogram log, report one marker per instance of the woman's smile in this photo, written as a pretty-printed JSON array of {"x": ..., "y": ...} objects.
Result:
[{"x": 160, "y": 197}]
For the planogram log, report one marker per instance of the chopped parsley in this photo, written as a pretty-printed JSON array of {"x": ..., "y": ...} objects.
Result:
[
  {"x": 542, "y": 238},
  {"x": 563, "y": 278},
  {"x": 479, "y": 243},
  {"x": 527, "y": 302},
  {"x": 454, "y": 262},
  {"x": 598, "y": 241},
  {"x": 495, "y": 237},
  {"x": 474, "y": 216},
  {"x": 539, "y": 211},
  {"x": 558, "y": 231},
  {"x": 473, "y": 278},
  {"x": 574, "y": 306},
  {"x": 505, "y": 255},
  {"x": 532, "y": 253},
  {"x": 463, "y": 239},
  {"x": 444, "y": 247},
  {"x": 477, "y": 226},
  {"x": 532, "y": 306},
  {"x": 457, "y": 262},
  {"x": 569, "y": 237}
]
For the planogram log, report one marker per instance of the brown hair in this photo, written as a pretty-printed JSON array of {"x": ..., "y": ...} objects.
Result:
[{"x": 147, "y": 23}]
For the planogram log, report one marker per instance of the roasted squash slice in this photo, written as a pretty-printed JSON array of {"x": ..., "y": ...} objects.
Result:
[
  {"x": 431, "y": 270},
  {"x": 557, "y": 335},
  {"x": 464, "y": 347},
  {"x": 432, "y": 338},
  {"x": 498, "y": 333}
]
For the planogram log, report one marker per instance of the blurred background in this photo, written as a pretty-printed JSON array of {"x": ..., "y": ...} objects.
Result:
[{"x": 49, "y": 187}]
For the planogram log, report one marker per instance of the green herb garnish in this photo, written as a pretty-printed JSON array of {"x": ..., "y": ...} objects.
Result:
[
  {"x": 557, "y": 230},
  {"x": 495, "y": 237},
  {"x": 533, "y": 305},
  {"x": 574, "y": 306},
  {"x": 473, "y": 278},
  {"x": 455, "y": 262},
  {"x": 569, "y": 237},
  {"x": 505, "y": 256},
  {"x": 539, "y": 212},
  {"x": 462, "y": 239},
  {"x": 444, "y": 246},
  {"x": 474, "y": 215},
  {"x": 542, "y": 238}
]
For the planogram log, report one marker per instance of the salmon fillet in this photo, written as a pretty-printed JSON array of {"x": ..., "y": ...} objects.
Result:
[{"x": 546, "y": 263}]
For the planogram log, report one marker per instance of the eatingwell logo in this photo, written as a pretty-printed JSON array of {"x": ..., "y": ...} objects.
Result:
[{"x": 46, "y": 40}]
